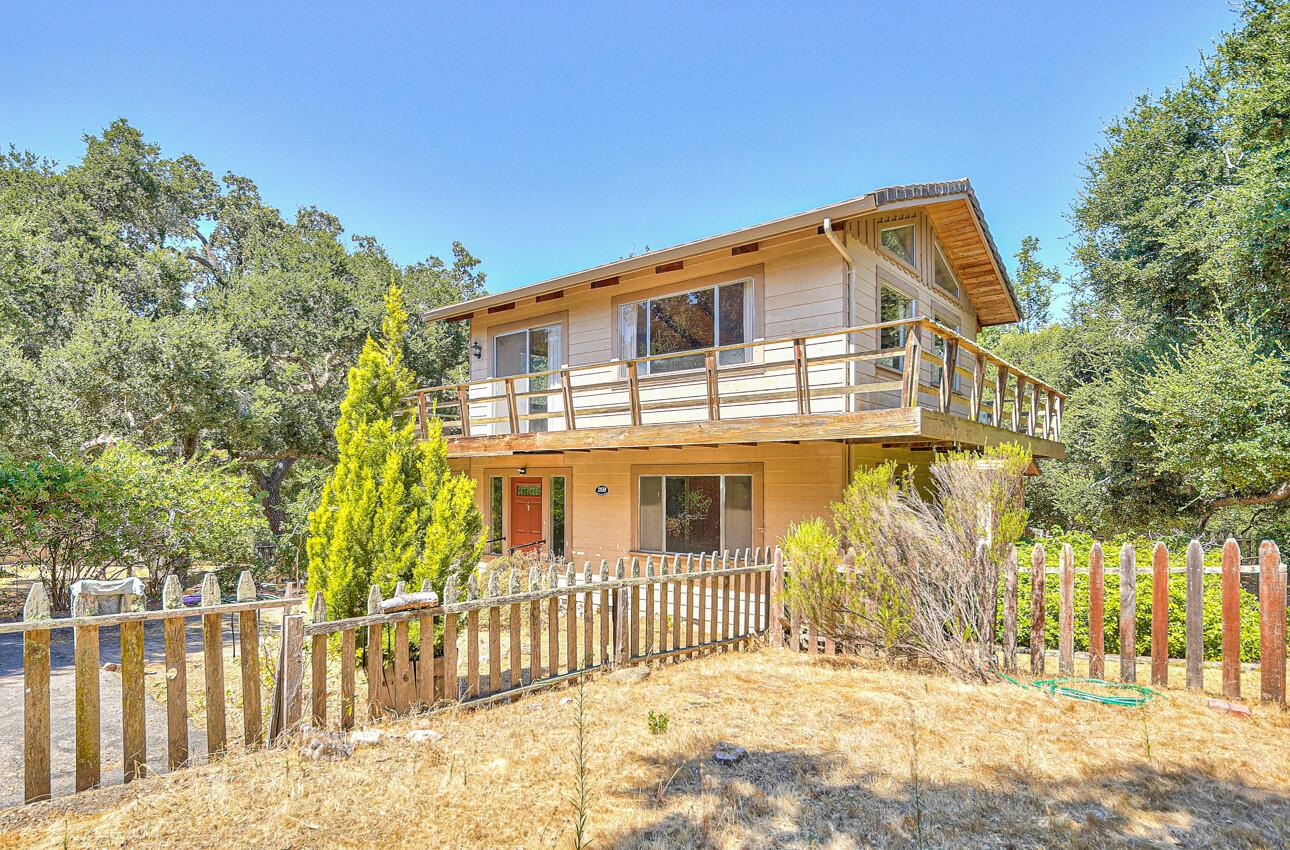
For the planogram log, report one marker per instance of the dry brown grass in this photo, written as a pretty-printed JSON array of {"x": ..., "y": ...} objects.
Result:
[{"x": 830, "y": 764}]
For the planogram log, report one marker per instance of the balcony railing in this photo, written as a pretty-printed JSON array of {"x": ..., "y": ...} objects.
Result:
[{"x": 839, "y": 371}]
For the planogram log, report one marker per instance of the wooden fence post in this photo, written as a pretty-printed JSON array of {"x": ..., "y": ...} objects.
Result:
[
  {"x": 451, "y": 684},
  {"x": 35, "y": 711},
  {"x": 776, "y": 599},
  {"x": 472, "y": 645},
  {"x": 176, "y": 639},
  {"x": 1096, "y": 612},
  {"x": 1272, "y": 625},
  {"x": 376, "y": 657},
  {"x": 249, "y": 643},
  {"x": 494, "y": 636},
  {"x": 1160, "y": 616},
  {"x": 1195, "y": 617},
  {"x": 213, "y": 661},
  {"x": 1128, "y": 614},
  {"x": 1037, "y": 610},
  {"x": 1066, "y": 615},
  {"x": 293, "y": 674},
  {"x": 134, "y": 737},
  {"x": 318, "y": 665},
  {"x": 1231, "y": 619},
  {"x": 1010, "y": 610},
  {"x": 88, "y": 742}
]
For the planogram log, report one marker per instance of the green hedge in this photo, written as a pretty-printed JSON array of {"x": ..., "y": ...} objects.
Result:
[{"x": 1212, "y": 622}]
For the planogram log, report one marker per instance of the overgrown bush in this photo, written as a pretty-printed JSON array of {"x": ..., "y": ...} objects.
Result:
[{"x": 924, "y": 580}]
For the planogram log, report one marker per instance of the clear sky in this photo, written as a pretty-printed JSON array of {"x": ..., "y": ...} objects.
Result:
[{"x": 551, "y": 137}]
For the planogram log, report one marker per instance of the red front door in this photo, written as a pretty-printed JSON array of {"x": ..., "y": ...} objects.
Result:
[{"x": 526, "y": 512}]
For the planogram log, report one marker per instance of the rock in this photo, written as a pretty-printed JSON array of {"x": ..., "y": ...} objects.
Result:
[
  {"x": 323, "y": 745},
  {"x": 1233, "y": 708},
  {"x": 566, "y": 700},
  {"x": 111, "y": 667},
  {"x": 424, "y": 736},
  {"x": 630, "y": 674},
  {"x": 366, "y": 736},
  {"x": 497, "y": 765},
  {"x": 728, "y": 754}
]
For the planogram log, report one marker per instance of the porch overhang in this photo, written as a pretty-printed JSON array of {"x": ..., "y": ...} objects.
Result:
[{"x": 912, "y": 426}]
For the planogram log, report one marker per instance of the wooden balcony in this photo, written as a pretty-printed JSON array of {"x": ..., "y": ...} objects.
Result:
[{"x": 882, "y": 383}]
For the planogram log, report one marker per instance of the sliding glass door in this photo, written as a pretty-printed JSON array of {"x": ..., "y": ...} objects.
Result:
[{"x": 525, "y": 351}]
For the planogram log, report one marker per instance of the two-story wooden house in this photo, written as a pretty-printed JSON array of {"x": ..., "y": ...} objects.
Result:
[{"x": 703, "y": 397}]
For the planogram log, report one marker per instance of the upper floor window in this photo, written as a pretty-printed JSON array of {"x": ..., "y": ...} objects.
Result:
[
  {"x": 686, "y": 321},
  {"x": 898, "y": 240},
  {"x": 944, "y": 274},
  {"x": 893, "y": 305}
]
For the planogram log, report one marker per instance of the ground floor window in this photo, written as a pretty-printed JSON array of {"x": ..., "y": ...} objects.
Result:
[{"x": 695, "y": 513}]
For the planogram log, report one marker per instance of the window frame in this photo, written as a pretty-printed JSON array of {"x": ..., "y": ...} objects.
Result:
[
  {"x": 955, "y": 324},
  {"x": 957, "y": 292},
  {"x": 721, "y": 506},
  {"x": 895, "y": 363},
  {"x": 901, "y": 224},
  {"x": 554, "y": 326},
  {"x": 749, "y": 281}
]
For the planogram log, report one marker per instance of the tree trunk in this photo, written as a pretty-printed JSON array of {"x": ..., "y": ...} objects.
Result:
[{"x": 271, "y": 484}]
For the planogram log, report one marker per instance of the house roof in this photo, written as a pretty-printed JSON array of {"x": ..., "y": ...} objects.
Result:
[{"x": 952, "y": 206}]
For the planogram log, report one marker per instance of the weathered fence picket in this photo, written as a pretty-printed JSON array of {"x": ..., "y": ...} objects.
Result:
[
  {"x": 1128, "y": 614},
  {"x": 1272, "y": 624},
  {"x": 1231, "y": 620},
  {"x": 1096, "y": 612},
  {"x": 1037, "y": 618},
  {"x": 1160, "y": 616},
  {"x": 37, "y": 627}
]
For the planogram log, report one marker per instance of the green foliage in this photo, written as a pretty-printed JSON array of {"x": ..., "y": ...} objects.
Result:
[
  {"x": 127, "y": 510},
  {"x": 657, "y": 722},
  {"x": 391, "y": 510},
  {"x": 1212, "y": 611}
]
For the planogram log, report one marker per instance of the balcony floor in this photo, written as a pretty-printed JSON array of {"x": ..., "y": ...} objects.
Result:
[{"x": 899, "y": 426}]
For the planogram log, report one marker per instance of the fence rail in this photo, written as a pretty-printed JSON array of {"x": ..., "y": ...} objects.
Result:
[
  {"x": 37, "y": 627},
  {"x": 542, "y": 629}
]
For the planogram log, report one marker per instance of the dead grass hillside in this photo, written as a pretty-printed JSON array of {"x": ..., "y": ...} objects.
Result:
[{"x": 840, "y": 755}]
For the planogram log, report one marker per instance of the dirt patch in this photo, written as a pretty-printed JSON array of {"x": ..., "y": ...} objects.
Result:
[{"x": 838, "y": 755}]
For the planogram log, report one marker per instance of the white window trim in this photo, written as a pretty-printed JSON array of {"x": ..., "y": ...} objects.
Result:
[
  {"x": 912, "y": 224},
  {"x": 749, "y": 320},
  {"x": 721, "y": 508},
  {"x": 890, "y": 363}
]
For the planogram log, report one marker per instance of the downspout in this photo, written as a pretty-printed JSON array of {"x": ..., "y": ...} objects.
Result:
[{"x": 832, "y": 236}]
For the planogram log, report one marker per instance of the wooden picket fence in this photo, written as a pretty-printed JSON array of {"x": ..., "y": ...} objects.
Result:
[
  {"x": 36, "y": 628},
  {"x": 550, "y": 626},
  {"x": 1272, "y": 615}
]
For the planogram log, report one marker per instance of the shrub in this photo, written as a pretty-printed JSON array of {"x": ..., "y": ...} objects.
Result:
[{"x": 657, "y": 722}]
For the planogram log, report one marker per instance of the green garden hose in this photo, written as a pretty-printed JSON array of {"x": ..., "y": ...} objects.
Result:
[{"x": 1133, "y": 697}]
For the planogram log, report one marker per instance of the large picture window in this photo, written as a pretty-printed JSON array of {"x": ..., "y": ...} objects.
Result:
[
  {"x": 530, "y": 350},
  {"x": 893, "y": 305},
  {"x": 686, "y": 321},
  {"x": 690, "y": 514}
]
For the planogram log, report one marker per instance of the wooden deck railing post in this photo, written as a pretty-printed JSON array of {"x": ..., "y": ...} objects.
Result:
[
  {"x": 213, "y": 661},
  {"x": 1000, "y": 389},
  {"x": 463, "y": 405},
  {"x": 1032, "y": 421},
  {"x": 1019, "y": 388},
  {"x": 566, "y": 393},
  {"x": 35, "y": 707},
  {"x": 1272, "y": 625},
  {"x": 978, "y": 388},
  {"x": 713, "y": 386},
  {"x": 1057, "y": 417},
  {"x": 512, "y": 406},
  {"x": 801, "y": 379},
  {"x": 423, "y": 416},
  {"x": 1160, "y": 616},
  {"x": 1231, "y": 619},
  {"x": 249, "y": 644},
  {"x": 634, "y": 391},
  {"x": 176, "y": 639},
  {"x": 1128, "y": 614},
  {"x": 1096, "y": 611},
  {"x": 911, "y": 368}
]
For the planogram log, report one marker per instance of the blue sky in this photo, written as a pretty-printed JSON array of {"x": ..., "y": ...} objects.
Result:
[{"x": 551, "y": 137}]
